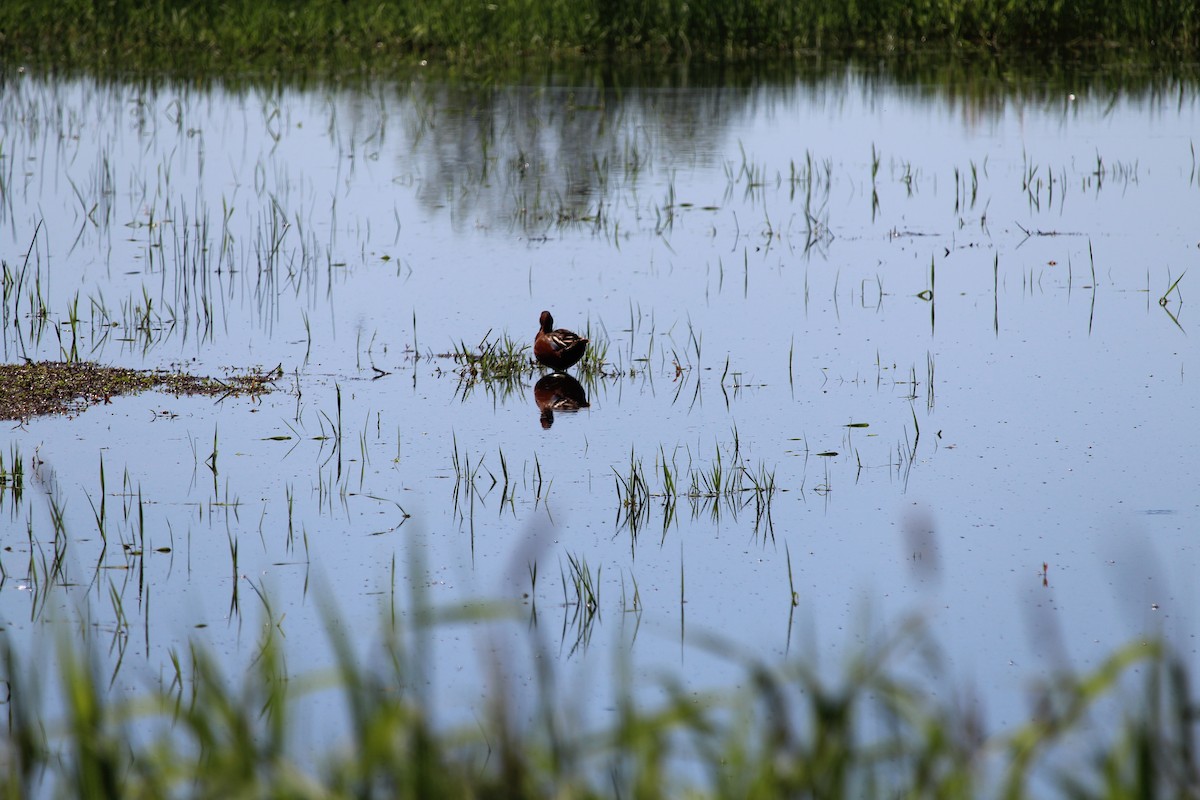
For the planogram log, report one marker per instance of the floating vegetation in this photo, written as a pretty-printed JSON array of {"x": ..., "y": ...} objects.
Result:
[{"x": 37, "y": 388}]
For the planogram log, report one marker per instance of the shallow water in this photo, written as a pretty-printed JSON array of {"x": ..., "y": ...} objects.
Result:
[{"x": 931, "y": 315}]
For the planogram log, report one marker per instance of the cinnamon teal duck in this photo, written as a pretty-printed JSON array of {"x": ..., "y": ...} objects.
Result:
[{"x": 557, "y": 349}]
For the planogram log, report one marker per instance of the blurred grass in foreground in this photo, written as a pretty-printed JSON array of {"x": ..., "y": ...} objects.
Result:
[
  {"x": 1123, "y": 729},
  {"x": 279, "y": 35}
]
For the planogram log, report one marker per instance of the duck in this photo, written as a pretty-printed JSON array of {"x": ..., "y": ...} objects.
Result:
[{"x": 557, "y": 349}]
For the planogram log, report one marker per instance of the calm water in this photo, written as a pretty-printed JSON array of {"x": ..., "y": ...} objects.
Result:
[{"x": 930, "y": 312}]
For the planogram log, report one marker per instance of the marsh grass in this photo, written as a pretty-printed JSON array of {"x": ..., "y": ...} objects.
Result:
[
  {"x": 870, "y": 729},
  {"x": 500, "y": 360},
  {"x": 725, "y": 481},
  {"x": 595, "y": 362},
  {"x": 353, "y": 35},
  {"x": 12, "y": 475},
  {"x": 581, "y": 596}
]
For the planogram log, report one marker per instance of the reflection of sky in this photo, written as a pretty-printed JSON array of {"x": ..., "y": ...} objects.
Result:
[{"x": 1058, "y": 430}]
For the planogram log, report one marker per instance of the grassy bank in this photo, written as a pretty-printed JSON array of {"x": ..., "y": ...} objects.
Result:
[
  {"x": 871, "y": 733},
  {"x": 363, "y": 34}
]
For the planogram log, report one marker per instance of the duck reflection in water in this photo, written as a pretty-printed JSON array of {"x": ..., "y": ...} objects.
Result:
[{"x": 558, "y": 392}]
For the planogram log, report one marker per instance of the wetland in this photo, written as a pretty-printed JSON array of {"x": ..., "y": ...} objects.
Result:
[{"x": 888, "y": 361}]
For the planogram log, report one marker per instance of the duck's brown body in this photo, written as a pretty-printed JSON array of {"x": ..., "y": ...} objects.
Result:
[{"x": 557, "y": 349}]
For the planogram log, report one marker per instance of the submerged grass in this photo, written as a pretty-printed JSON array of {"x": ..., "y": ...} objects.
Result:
[
  {"x": 792, "y": 731},
  {"x": 356, "y": 34}
]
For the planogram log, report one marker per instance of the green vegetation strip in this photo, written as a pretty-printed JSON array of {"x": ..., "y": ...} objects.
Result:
[
  {"x": 289, "y": 35},
  {"x": 55, "y": 387},
  {"x": 870, "y": 733}
]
